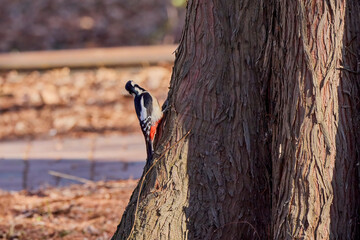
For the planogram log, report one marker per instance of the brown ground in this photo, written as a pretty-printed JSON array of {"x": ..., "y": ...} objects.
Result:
[
  {"x": 89, "y": 211},
  {"x": 64, "y": 102}
]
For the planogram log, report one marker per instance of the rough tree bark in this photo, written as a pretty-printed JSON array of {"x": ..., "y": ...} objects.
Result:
[
  {"x": 215, "y": 185},
  {"x": 244, "y": 67},
  {"x": 314, "y": 147}
]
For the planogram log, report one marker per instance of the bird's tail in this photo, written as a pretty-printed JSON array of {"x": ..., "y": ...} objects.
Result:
[{"x": 149, "y": 151}]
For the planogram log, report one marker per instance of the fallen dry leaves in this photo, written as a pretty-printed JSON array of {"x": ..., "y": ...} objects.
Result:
[
  {"x": 74, "y": 102},
  {"x": 90, "y": 211}
]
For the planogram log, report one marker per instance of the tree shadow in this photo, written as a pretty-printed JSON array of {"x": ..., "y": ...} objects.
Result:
[
  {"x": 33, "y": 174},
  {"x": 345, "y": 208}
]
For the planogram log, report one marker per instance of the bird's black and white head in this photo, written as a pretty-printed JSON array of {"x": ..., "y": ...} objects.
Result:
[{"x": 133, "y": 88}]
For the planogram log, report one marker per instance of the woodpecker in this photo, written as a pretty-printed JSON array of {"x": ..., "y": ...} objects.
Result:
[{"x": 148, "y": 112}]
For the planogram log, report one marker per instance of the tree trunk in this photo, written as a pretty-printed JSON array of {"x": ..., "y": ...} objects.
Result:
[
  {"x": 215, "y": 184},
  {"x": 314, "y": 147},
  {"x": 244, "y": 67}
]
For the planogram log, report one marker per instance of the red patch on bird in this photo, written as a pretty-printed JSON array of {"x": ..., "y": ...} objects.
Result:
[{"x": 153, "y": 130}]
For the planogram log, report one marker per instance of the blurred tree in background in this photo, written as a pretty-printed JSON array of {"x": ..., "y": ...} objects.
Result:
[{"x": 58, "y": 24}]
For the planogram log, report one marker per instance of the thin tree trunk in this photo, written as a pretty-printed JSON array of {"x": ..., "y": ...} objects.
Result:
[
  {"x": 215, "y": 184},
  {"x": 315, "y": 184}
]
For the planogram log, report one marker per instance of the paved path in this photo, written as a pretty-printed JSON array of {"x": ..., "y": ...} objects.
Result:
[
  {"x": 26, "y": 164},
  {"x": 98, "y": 57}
]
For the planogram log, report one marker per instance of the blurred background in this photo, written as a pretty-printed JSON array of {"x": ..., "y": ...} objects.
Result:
[
  {"x": 27, "y": 25},
  {"x": 71, "y": 149}
]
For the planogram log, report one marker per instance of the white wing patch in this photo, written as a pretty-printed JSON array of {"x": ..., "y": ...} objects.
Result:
[
  {"x": 143, "y": 113},
  {"x": 145, "y": 120}
]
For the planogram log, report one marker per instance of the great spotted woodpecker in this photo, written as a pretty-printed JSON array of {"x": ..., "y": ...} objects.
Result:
[{"x": 148, "y": 112}]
